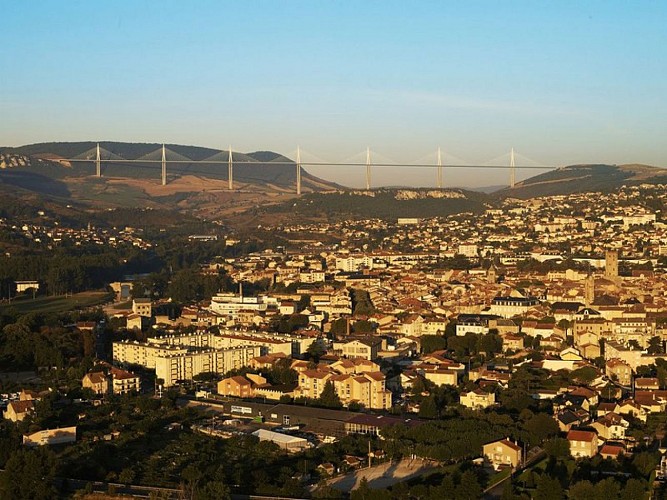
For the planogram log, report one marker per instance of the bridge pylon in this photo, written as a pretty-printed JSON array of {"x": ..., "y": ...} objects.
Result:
[
  {"x": 298, "y": 171},
  {"x": 368, "y": 169},
  {"x": 439, "y": 180},
  {"x": 98, "y": 162},
  {"x": 164, "y": 166},
  {"x": 230, "y": 169}
]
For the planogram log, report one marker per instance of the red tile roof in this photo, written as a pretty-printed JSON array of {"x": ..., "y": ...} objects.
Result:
[{"x": 587, "y": 436}]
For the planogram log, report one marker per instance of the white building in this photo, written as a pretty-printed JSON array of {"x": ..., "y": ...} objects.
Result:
[
  {"x": 469, "y": 250},
  {"x": 353, "y": 264},
  {"x": 231, "y": 303}
]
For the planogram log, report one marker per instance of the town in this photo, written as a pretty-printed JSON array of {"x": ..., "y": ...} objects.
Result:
[{"x": 506, "y": 353}]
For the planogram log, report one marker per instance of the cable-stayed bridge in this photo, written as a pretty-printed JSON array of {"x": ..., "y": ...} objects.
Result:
[{"x": 368, "y": 159}]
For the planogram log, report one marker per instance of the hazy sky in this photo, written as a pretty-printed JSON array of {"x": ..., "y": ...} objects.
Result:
[{"x": 561, "y": 82}]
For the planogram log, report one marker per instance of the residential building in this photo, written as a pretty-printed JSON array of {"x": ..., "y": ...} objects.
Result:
[
  {"x": 618, "y": 370},
  {"x": 503, "y": 453},
  {"x": 17, "y": 411},
  {"x": 311, "y": 383},
  {"x": 477, "y": 399},
  {"x": 583, "y": 444},
  {"x": 611, "y": 426},
  {"x": 96, "y": 382},
  {"x": 237, "y": 386},
  {"x": 366, "y": 348},
  {"x": 124, "y": 382},
  {"x": 508, "y": 307},
  {"x": 142, "y": 307},
  {"x": 612, "y": 451},
  {"x": 178, "y": 367}
]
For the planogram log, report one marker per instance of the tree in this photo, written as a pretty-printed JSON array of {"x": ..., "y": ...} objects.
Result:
[
  {"x": 540, "y": 427},
  {"x": 362, "y": 326},
  {"x": 490, "y": 344},
  {"x": 607, "y": 489},
  {"x": 303, "y": 303},
  {"x": 634, "y": 488},
  {"x": 316, "y": 350},
  {"x": 213, "y": 490},
  {"x": 645, "y": 462},
  {"x": 557, "y": 447},
  {"x": 584, "y": 375},
  {"x": 468, "y": 487},
  {"x": 329, "y": 398},
  {"x": 29, "y": 475},
  {"x": 548, "y": 488},
  {"x": 126, "y": 476},
  {"x": 516, "y": 400},
  {"x": 430, "y": 343},
  {"x": 184, "y": 286},
  {"x": 325, "y": 491},
  {"x": 428, "y": 407},
  {"x": 583, "y": 490},
  {"x": 339, "y": 327},
  {"x": 655, "y": 345}
]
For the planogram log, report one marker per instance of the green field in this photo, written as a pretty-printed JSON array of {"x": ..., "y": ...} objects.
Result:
[{"x": 60, "y": 303}]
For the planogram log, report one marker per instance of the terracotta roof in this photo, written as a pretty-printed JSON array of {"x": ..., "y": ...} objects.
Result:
[
  {"x": 96, "y": 377},
  {"x": 587, "y": 436},
  {"x": 241, "y": 380},
  {"x": 118, "y": 374},
  {"x": 612, "y": 450},
  {"x": 315, "y": 373},
  {"x": 508, "y": 443},
  {"x": 21, "y": 406},
  {"x": 606, "y": 406}
]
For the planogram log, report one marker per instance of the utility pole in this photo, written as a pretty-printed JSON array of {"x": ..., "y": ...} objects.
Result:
[
  {"x": 164, "y": 166},
  {"x": 98, "y": 162},
  {"x": 369, "y": 453},
  {"x": 230, "y": 169}
]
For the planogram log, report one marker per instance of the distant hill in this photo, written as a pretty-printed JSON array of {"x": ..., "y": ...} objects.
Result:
[
  {"x": 585, "y": 178},
  {"x": 488, "y": 189},
  {"x": 262, "y": 168},
  {"x": 49, "y": 172},
  {"x": 264, "y": 184},
  {"x": 388, "y": 204}
]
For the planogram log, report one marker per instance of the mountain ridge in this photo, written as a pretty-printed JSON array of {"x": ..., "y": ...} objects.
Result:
[
  {"x": 585, "y": 178},
  {"x": 263, "y": 180}
]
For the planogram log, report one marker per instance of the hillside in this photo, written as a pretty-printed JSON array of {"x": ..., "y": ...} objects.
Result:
[
  {"x": 585, "y": 178},
  {"x": 261, "y": 167},
  {"x": 199, "y": 188},
  {"x": 387, "y": 204}
]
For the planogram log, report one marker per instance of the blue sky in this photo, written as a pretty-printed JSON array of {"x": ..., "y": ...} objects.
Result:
[{"x": 561, "y": 82}]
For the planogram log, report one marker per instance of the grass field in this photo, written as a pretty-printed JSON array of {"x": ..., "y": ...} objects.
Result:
[{"x": 60, "y": 303}]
